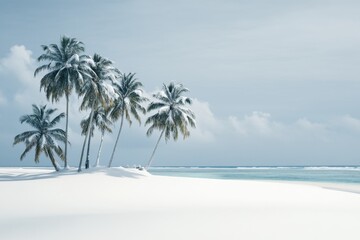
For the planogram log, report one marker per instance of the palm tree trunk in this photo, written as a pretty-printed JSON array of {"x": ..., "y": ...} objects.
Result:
[
  {"x": 117, "y": 138},
  {"x": 66, "y": 166},
  {"x": 98, "y": 155},
  {"x": 86, "y": 136},
  {"x": 52, "y": 159},
  {"x": 152, "y": 155},
  {"x": 82, "y": 153},
  {"x": 87, "y": 163}
]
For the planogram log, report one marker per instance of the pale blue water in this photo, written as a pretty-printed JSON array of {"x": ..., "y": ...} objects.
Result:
[{"x": 340, "y": 174}]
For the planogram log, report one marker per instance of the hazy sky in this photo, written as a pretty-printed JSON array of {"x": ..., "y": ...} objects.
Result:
[{"x": 274, "y": 82}]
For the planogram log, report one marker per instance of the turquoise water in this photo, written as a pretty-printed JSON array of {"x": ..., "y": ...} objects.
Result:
[{"x": 343, "y": 174}]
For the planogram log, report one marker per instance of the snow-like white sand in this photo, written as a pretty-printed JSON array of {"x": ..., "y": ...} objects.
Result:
[{"x": 130, "y": 204}]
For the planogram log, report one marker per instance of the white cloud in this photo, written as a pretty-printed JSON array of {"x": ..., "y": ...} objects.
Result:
[
  {"x": 260, "y": 125},
  {"x": 257, "y": 123},
  {"x": 21, "y": 65},
  {"x": 305, "y": 124},
  {"x": 207, "y": 126},
  {"x": 350, "y": 122}
]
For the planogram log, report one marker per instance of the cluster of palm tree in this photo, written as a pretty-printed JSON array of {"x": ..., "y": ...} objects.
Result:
[{"x": 107, "y": 93}]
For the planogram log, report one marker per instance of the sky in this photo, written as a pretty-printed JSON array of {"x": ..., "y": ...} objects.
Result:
[{"x": 273, "y": 82}]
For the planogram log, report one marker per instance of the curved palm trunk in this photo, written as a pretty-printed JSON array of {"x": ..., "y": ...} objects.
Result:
[
  {"x": 52, "y": 159},
  {"x": 86, "y": 136},
  {"x": 117, "y": 139},
  {"x": 87, "y": 162},
  {"x": 99, "y": 152},
  {"x": 153, "y": 153},
  {"x": 66, "y": 166}
]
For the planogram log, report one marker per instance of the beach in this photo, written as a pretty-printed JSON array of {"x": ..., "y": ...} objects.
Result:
[{"x": 121, "y": 203}]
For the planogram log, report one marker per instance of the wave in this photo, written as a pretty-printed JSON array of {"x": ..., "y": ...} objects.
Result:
[
  {"x": 344, "y": 168},
  {"x": 267, "y": 168},
  {"x": 319, "y": 168},
  {"x": 223, "y": 167}
]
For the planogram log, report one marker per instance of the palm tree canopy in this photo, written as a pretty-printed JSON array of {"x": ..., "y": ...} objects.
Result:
[
  {"x": 129, "y": 100},
  {"x": 100, "y": 120},
  {"x": 66, "y": 68},
  {"x": 44, "y": 138},
  {"x": 99, "y": 87},
  {"x": 172, "y": 114}
]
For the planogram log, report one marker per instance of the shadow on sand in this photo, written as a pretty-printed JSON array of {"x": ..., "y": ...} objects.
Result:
[{"x": 26, "y": 174}]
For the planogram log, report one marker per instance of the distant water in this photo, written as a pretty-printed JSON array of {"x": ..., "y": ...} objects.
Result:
[{"x": 339, "y": 174}]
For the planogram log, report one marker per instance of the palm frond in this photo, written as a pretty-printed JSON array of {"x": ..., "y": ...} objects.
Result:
[
  {"x": 27, "y": 149},
  {"x": 24, "y": 136},
  {"x": 129, "y": 102},
  {"x": 172, "y": 115},
  {"x": 44, "y": 137},
  {"x": 56, "y": 120},
  {"x": 59, "y": 152},
  {"x": 155, "y": 105},
  {"x": 64, "y": 67}
]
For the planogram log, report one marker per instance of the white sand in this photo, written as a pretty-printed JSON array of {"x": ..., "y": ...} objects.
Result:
[{"x": 130, "y": 204}]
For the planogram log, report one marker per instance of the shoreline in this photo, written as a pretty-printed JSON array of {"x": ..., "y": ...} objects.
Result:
[
  {"x": 337, "y": 186},
  {"x": 344, "y": 187}
]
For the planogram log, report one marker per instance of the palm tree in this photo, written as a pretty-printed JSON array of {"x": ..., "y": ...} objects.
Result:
[
  {"x": 44, "y": 137},
  {"x": 128, "y": 103},
  {"x": 172, "y": 116},
  {"x": 85, "y": 123},
  {"x": 102, "y": 122},
  {"x": 66, "y": 70},
  {"x": 97, "y": 90}
]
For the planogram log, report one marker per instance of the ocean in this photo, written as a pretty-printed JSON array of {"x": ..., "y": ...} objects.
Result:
[{"x": 330, "y": 174}]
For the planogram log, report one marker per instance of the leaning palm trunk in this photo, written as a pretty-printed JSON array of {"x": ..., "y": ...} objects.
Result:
[
  {"x": 156, "y": 146},
  {"x": 53, "y": 161},
  {"x": 86, "y": 136},
  {"x": 117, "y": 138},
  {"x": 99, "y": 152},
  {"x": 66, "y": 131},
  {"x": 82, "y": 153},
  {"x": 87, "y": 162}
]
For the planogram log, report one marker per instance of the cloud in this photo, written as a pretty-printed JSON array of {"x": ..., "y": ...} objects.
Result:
[
  {"x": 350, "y": 123},
  {"x": 257, "y": 123},
  {"x": 260, "y": 125},
  {"x": 305, "y": 124},
  {"x": 20, "y": 65},
  {"x": 207, "y": 125}
]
